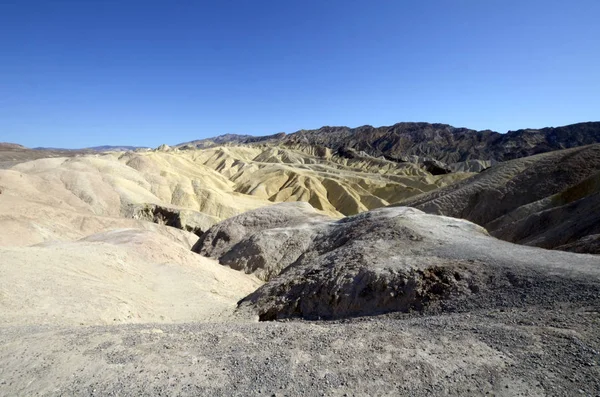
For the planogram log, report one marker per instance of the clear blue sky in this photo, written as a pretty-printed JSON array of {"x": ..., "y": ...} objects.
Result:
[{"x": 84, "y": 73}]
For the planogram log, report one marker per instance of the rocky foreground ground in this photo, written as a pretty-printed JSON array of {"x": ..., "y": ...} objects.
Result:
[{"x": 528, "y": 351}]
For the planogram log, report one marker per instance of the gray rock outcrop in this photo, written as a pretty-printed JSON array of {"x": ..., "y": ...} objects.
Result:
[
  {"x": 386, "y": 260},
  {"x": 263, "y": 241}
]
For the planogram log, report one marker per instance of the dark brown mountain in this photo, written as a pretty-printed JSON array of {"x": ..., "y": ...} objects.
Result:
[
  {"x": 12, "y": 153},
  {"x": 440, "y": 142},
  {"x": 449, "y": 144},
  {"x": 228, "y": 139}
]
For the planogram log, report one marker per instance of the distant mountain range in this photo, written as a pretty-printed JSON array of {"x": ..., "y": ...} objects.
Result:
[
  {"x": 440, "y": 142},
  {"x": 106, "y": 148},
  {"x": 229, "y": 139},
  {"x": 410, "y": 141}
]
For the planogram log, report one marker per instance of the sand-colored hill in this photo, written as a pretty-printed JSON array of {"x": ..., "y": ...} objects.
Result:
[
  {"x": 218, "y": 183},
  {"x": 69, "y": 257}
]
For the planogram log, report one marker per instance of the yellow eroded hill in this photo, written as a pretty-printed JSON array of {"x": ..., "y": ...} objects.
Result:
[{"x": 219, "y": 182}]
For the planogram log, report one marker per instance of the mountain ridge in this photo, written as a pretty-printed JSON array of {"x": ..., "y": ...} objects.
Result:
[
  {"x": 102, "y": 148},
  {"x": 407, "y": 141},
  {"x": 437, "y": 141}
]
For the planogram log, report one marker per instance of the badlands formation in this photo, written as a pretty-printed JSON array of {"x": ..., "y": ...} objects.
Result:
[
  {"x": 550, "y": 200},
  {"x": 417, "y": 259}
]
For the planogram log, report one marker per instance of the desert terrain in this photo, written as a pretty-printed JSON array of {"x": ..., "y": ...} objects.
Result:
[{"x": 416, "y": 259}]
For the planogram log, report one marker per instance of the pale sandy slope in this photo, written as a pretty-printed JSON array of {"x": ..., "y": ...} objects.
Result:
[
  {"x": 126, "y": 275},
  {"x": 88, "y": 269},
  {"x": 67, "y": 258}
]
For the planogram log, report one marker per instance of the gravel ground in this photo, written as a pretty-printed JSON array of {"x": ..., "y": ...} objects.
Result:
[{"x": 530, "y": 351}]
